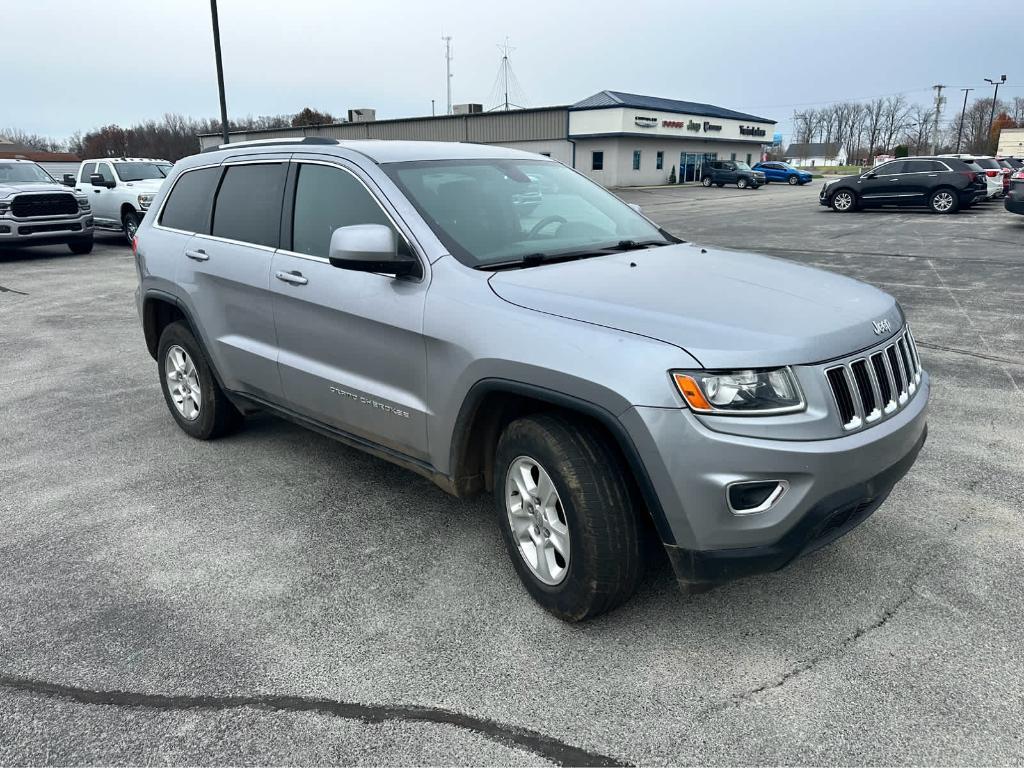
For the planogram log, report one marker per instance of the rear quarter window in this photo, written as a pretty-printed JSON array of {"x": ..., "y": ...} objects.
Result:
[{"x": 188, "y": 206}]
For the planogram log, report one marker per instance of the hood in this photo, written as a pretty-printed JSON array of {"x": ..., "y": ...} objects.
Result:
[
  {"x": 144, "y": 185},
  {"x": 726, "y": 309},
  {"x": 6, "y": 190}
]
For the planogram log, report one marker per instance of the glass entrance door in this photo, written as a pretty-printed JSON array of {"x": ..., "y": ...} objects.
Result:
[{"x": 689, "y": 167}]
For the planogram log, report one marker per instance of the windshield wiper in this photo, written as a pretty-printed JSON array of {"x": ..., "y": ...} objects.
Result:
[{"x": 534, "y": 259}]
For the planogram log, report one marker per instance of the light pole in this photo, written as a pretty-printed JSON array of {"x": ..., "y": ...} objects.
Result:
[
  {"x": 220, "y": 72},
  {"x": 963, "y": 112},
  {"x": 995, "y": 98}
]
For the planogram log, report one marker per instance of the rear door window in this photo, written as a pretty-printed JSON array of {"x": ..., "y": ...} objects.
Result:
[
  {"x": 87, "y": 170},
  {"x": 105, "y": 171},
  {"x": 188, "y": 206},
  {"x": 890, "y": 168},
  {"x": 248, "y": 207}
]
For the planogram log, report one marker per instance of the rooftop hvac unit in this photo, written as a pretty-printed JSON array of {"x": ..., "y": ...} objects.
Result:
[
  {"x": 362, "y": 115},
  {"x": 467, "y": 109}
]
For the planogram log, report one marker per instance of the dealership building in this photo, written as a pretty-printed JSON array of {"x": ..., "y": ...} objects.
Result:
[{"x": 617, "y": 139}]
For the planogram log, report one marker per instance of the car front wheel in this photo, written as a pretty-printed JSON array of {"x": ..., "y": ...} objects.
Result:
[
  {"x": 793, "y": 181},
  {"x": 130, "y": 223},
  {"x": 706, "y": 181},
  {"x": 81, "y": 247},
  {"x": 741, "y": 183},
  {"x": 843, "y": 201},
  {"x": 566, "y": 514}
]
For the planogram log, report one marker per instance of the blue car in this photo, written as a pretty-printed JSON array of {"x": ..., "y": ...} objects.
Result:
[{"x": 776, "y": 171}]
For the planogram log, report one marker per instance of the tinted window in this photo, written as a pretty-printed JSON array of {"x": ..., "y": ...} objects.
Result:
[
  {"x": 104, "y": 171},
  {"x": 988, "y": 163},
  {"x": 890, "y": 168},
  {"x": 636, "y": 159},
  {"x": 248, "y": 206},
  {"x": 325, "y": 199},
  {"x": 919, "y": 166},
  {"x": 597, "y": 161},
  {"x": 88, "y": 170},
  {"x": 659, "y": 160},
  {"x": 188, "y": 206}
]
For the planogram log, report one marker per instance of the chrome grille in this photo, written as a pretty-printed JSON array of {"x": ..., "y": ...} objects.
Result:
[{"x": 869, "y": 388}]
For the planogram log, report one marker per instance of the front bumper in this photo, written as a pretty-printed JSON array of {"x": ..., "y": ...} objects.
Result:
[
  {"x": 832, "y": 484},
  {"x": 45, "y": 230}
]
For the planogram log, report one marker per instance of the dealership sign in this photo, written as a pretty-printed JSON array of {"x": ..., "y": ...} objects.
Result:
[
  {"x": 645, "y": 122},
  {"x": 691, "y": 125},
  {"x": 750, "y": 130}
]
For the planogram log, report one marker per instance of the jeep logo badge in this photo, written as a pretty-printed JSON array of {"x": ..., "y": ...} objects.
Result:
[{"x": 881, "y": 326}]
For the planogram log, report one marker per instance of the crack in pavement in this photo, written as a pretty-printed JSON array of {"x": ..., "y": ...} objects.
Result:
[
  {"x": 5, "y": 289},
  {"x": 546, "y": 747},
  {"x": 808, "y": 664},
  {"x": 968, "y": 353}
]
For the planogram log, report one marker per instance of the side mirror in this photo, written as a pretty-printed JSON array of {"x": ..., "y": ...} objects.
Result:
[
  {"x": 98, "y": 181},
  {"x": 870, "y": 175},
  {"x": 370, "y": 248},
  {"x": 69, "y": 180},
  {"x": 635, "y": 207}
]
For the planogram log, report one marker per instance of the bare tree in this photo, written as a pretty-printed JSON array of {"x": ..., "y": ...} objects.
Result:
[
  {"x": 32, "y": 140},
  {"x": 917, "y": 133},
  {"x": 894, "y": 119}
]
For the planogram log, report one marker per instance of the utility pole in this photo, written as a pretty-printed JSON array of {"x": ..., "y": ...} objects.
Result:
[
  {"x": 448, "y": 68},
  {"x": 220, "y": 73},
  {"x": 995, "y": 98},
  {"x": 939, "y": 102},
  {"x": 431, "y": 107},
  {"x": 963, "y": 113}
]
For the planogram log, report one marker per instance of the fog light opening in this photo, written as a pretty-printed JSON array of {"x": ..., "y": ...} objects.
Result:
[{"x": 752, "y": 496}]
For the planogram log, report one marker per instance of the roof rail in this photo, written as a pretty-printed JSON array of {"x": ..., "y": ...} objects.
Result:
[{"x": 272, "y": 142}]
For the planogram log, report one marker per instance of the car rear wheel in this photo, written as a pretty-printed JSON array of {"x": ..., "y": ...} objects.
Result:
[
  {"x": 843, "y": 201},
  {"x": 793, "y": 180},
  {"x": 191, "y": 392},
  {"x": 741, "y": 183},
  {"x": 943, "y": 201},
  {"x": 706, "y": 181},
  {"x": 566, "y": 514}
]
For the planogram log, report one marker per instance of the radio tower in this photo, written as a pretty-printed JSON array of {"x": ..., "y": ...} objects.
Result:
[
  {"x": 448, "y": 68},
  {"x": 505, "y": 84}
]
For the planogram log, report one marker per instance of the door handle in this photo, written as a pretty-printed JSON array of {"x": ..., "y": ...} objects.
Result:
[
  {"x": 199, "y": 255},
  {"x": 295, "y": 278}
]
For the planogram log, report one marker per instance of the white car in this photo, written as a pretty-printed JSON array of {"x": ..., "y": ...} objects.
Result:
[
  {"x": 993, "y": 172},
  {"x": 120, "y": 189}
]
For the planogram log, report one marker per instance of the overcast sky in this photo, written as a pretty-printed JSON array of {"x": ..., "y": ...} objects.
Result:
[{"x": 75, "y": 64}]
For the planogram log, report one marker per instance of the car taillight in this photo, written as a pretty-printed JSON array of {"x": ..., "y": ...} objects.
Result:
[
  {"x": 971, "y": 176},
  {"x": 135, "y": 246},
  {"x": 1019, "y": 175},
  {"x": 991, "y": 173}
]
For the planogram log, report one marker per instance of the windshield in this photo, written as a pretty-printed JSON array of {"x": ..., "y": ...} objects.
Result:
[
  {"x": 741, "y": 166},
  {"x": 24, "y": 173},
  {"x": 491, "y": 211},
  {"x": 140, "y": 171}
]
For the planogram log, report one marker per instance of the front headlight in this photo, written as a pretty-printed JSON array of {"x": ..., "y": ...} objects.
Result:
[
  {"x": 83, "y": 202},
  {"x": 740, "y": 393},
  {"x": 4, "y": 207},
  {"x": 145, "y": 200}
]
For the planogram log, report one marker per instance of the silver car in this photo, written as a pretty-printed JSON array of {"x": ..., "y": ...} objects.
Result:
[{"x": 609, "y": 384}]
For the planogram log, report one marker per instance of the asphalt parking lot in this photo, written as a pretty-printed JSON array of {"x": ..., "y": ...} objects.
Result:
[{"x": 278, "y": 598}]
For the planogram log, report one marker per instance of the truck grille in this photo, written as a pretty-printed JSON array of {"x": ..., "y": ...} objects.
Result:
[
  {"x": 871, "y": 388},
  {"x": 55, "y": 204}
]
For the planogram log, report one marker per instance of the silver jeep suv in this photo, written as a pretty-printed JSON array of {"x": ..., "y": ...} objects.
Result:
[{"x": 608, "y": 383}]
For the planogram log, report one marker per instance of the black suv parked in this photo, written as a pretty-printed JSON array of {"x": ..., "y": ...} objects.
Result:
[
  {"x": 942, "y": 184},
  {"x": 722, "y": 172}
]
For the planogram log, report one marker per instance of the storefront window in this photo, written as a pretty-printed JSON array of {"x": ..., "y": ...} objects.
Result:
[
  {"x": 659, "y": 161},
  {"x": 636, "y": 159},
  {"x": 597, "y": 161}
]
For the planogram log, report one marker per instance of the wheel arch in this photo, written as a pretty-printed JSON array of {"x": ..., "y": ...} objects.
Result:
[
  {"x": 126, "y": 208},
  {"x": 491, "y": 404}
]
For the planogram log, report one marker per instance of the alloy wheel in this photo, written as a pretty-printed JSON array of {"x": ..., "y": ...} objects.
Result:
[
  {"x": 842, "y": 201},
  {"x": 537, "y": 518},
  {"x": 942, "y": 201},
  {"x": 183, "y": 382}
]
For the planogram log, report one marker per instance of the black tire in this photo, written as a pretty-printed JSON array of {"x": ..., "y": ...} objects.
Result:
[
  {"x": 720, "y": 184},
  {"x": 82, "y": 246},
  {"x": 706, "y": 181},
  {"x": 216, "y": 416},
  {"x": 130, "y": 224},
  {"x": 843, "y": 200},
  {"x": 742, "y": 183},
  {"x": 793, "y": 181},
  {"x": 944, "y": 200},
  {"x": 604, "y": 536}
]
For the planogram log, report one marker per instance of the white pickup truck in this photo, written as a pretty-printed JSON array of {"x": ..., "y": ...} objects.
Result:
[{"x": 119, "y": 189}]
